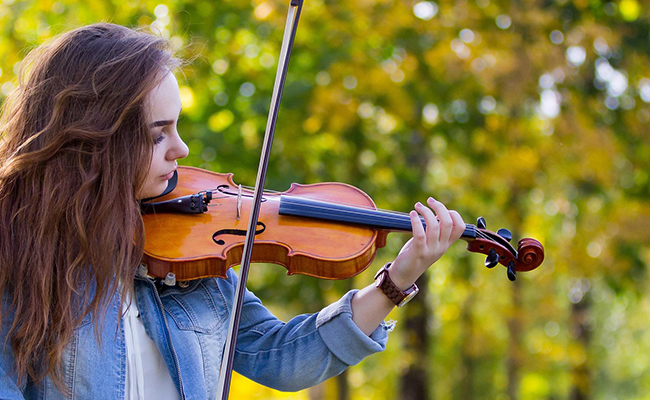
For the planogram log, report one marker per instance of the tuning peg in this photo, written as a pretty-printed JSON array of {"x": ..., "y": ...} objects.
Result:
[
  {"x": 512, "y": 273},
  {"x": 480, "y": 223},
  {"x": 492, "y": 259},
  {"x": 504, "y": 233}
]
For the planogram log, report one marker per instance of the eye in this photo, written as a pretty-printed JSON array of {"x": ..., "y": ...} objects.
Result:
[{"x": 159, "y": 138}]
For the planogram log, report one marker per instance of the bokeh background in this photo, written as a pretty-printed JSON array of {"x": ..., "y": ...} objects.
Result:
[{"x": 531, "y": 113}]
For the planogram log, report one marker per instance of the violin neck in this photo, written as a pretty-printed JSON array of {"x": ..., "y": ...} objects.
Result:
[{"x": 388, "y": 220}]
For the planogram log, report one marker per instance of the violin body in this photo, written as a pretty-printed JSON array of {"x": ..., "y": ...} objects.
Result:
[{"x": 207, "y": 244}]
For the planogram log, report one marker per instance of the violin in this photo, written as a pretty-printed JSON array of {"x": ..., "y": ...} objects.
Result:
[{"x": 325, "y": 230}]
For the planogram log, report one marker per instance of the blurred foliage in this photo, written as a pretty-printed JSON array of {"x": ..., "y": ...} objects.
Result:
[{"x": 531, "y": 113}]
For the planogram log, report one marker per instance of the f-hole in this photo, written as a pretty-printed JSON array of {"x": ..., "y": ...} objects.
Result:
[{"x": 238, "y": 232}]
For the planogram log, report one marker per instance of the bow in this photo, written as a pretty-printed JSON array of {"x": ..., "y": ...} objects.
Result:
[{"x": 283, "y": 63}]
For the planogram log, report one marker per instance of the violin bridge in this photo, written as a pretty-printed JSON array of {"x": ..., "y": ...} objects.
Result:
[{"x": 239, "y": 196}]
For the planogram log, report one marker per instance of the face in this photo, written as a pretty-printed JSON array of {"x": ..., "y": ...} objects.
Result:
[{"x": 162, "y": 108}]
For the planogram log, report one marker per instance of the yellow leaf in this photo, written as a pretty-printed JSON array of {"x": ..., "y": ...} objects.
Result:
[{"x": 629, "y": 10}]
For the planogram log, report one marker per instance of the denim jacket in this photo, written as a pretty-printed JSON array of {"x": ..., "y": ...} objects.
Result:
[{"x": 189, "y": 325}]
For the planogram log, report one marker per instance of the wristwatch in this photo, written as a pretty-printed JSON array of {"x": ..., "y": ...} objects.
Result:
[{"x": 386, "y": 285}]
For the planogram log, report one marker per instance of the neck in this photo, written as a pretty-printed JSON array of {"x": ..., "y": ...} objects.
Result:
[{"x": 388, "y": 220}]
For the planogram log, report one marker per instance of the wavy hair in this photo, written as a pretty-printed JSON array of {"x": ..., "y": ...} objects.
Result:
[{"x": 74, "y": 153}]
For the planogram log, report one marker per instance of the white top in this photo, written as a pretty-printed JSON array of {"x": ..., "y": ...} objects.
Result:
[{"x": 147, "y": 377}]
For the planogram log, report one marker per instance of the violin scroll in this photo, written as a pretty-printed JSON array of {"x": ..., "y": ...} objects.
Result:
[{"x": 528, "y": 255}]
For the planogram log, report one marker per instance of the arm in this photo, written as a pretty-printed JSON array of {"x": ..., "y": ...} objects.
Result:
[
  {"x": 370, "y": 306},
  {"x": 305, "y": 350}
]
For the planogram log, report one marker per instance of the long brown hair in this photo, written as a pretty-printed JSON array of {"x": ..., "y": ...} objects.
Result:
[{"x": 74, "y": 152}]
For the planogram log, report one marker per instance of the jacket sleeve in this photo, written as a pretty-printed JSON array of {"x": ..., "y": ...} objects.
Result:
[{"x": 304, "y": 351}]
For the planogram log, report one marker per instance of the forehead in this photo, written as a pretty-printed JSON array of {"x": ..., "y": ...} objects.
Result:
[{"x": 163, "y": 102}]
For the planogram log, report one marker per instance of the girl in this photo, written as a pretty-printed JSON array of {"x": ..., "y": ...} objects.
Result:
[{"x": 90, "y": 131}]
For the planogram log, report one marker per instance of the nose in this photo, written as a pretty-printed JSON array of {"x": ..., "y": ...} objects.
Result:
[{"x": 178, "y": 149}]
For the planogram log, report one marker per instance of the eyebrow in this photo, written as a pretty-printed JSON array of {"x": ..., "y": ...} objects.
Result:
[
  {"x": 161, "y": 123},
  {"x": 164, "y": 122}
]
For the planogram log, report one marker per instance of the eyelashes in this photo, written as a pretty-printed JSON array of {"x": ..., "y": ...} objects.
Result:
[{"x": 158, "y": 139}]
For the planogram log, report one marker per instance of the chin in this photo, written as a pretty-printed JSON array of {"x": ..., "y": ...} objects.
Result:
[{"x": 149, "y": 192}]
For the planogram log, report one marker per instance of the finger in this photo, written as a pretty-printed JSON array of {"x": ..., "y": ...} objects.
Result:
[
  {"x": 416, "y": 224},
  {"x": 446, "y": 223},
  {"x": 459, "y": 225},
  {"x": 433, "y": 225}
]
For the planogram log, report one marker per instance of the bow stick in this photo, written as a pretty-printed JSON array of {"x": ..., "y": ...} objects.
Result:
[{"x": 285, "y": 52}]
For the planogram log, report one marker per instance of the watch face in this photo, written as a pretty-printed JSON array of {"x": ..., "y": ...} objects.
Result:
[
  {"x": 408, "y": 297},
  {"x": 380, "y": 277}
]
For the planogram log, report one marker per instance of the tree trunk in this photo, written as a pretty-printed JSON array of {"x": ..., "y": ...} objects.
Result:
[
  {"x": 468, "y": 360},
  {"x": 580, "y": 385},
  {"x": 414, "y": 382},
  {"x": 320, "y": 392},
  {"x": 343, "y": 389},
  {"x": 317, "y": 392},
  {"x": 514, "y": 343}
]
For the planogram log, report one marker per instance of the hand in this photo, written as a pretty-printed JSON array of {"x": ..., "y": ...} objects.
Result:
[
  {"x": 369, "y": 305},
  {"x": 444, "y": 227}
]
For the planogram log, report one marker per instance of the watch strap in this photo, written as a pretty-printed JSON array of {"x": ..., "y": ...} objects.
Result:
[{"x": 388, "y": 287}]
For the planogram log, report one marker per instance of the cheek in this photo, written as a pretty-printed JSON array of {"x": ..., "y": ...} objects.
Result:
[
  {"x": 157, "y": 161},
  {"x": 153, "y": 184}
]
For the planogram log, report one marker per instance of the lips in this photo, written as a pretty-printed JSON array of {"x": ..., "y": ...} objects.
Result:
[{"x": 168, "y": 176}]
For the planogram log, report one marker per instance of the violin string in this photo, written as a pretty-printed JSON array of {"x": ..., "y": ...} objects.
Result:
[
  {"x": 399, "y": 216},
  {"x": 361, "y": 207},
  {"x": 357, "y": 206},
  {"x": 393, "y": 216},
  {"x": 390, "y": 215}
]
